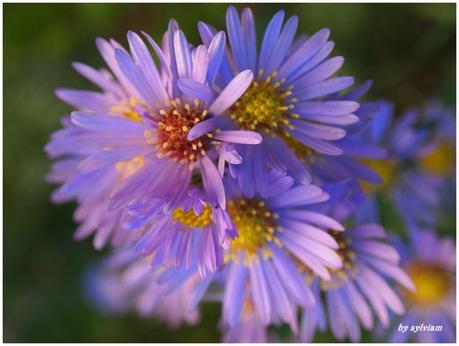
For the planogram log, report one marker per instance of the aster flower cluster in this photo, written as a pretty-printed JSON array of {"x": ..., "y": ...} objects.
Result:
[{"x": 249, "y": 176}]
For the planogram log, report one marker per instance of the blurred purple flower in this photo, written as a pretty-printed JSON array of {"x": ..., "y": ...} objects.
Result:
[
  {"x": 415, "y": 157},
  {"x": 125, "y": 282},
  {"x": 431, "y": 263}
]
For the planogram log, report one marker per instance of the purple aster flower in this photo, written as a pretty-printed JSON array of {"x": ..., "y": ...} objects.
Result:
[
  {"x": 431, "y": 263},
  {"x": 129, "y": 143},
  {"x": 293, "y": 101},
  {"x": 125, "y": 282},
  {"x": 414, "y": 158},
  {"x": 274, "y": 234},
  {"x": 362, "y": 288},
  {"x": 196, "y": 228}
]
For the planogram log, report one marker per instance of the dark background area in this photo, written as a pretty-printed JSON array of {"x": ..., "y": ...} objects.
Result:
[{"x": 407, "y": 49}]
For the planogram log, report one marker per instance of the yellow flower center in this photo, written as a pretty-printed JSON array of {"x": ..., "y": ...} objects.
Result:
[
  {"x": 173, "y": 127},
  {"x": 385, "y": 169},
  {"x": 263, "y": 106},
  {"x": 255, "y": 225},
  {"x": 439, "y": 161},
  {"x": 190, "y": 219},
  {"x": 433, "y": 284},
  {"x": 126, "y": 109},
  {"x": 130, "y": 167}
]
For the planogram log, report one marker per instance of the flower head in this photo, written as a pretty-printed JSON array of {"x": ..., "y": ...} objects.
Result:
[
  {"x": 284, "y": 103},
  {"x": 361, "y": 288},
  {"x": 138, "y": 128},
  {"x": 274, "y": 234},
  {"x": 412, "y": 146},
  {"x": 195, "y": 230},
  {"x": 431, "y": 263}
]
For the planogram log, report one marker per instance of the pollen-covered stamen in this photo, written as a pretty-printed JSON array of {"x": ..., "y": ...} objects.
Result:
[
  {"x": 127, "y": 168},
  {"x": 173, "y": 127},
  {"x": 433, "y": 284},
  {"x": 347, "y": 256},
  {"x": 264, "y": 106},
  {"x": 190, "y": 219},
  {"x": 256, "y": 226},
  {"x": 126, "y": 108},
  {"x": 439, "y": 161},
  {"x": 386, "y": 169}
]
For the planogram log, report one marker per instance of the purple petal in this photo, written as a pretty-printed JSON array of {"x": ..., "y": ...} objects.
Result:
[
  {"x": 321, "y": 72},
  {"x": 238, "y": 136},
  {"x": 108, "y": 53},
  {"x": 307, "y": 51},
  {"x": 232, "y": 92},
  {"x": 107, "y": 123},
  {"x": 323, "y": 88},
  {"x": 136, "y": 77},
  {"x": 327, "y": 107},
  {"x": 182, "y": 55},
  {"x": 234, "y": 293},
  {"x": 200, "y": 58},
  {"x": 212, "y": 181},
  {"x": 85, "y": 100},
  {"x": 291, "y": 278},
  {"x": 318, "y": 131},
  {"x": 236, "y": 39},
  {"x": 143, "y": 58},
  {"x": 99, "y": 78},
  {"x": 260, "y": 294},
  {"x": 216, "y": 51},
  {"x": 203, "y": 127},
  {"x": 283, "y": 43},
  {"x": 314, "y": 218},
  {"x": 317, "y": 144},
  {"x": 270, "y": 38},
  {"x": 297, "y": 196},
  {"x": 248, "y": 32},
  {"x": 195, "y": 89},
  {"x": 387, "y": 294}
]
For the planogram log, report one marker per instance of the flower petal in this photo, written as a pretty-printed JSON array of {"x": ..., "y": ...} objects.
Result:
[
  {"x": 232, "y": 92},
  {"x": 238, "y": 136}
]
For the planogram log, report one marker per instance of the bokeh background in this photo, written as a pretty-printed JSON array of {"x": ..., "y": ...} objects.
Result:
[{"x": 407, "y": 49}]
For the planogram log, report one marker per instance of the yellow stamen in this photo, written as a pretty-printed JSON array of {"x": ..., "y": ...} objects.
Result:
[
  {"x": 433, "y": 284},
  {"x": 262, "y": 106},
  {"x": 130, "y": 167},
  {"x": 255, "y": 225},
  {"x": 386, "y": 169},
  {"x": 439, "y": 161},
  {"x": 190, "y": 219}
]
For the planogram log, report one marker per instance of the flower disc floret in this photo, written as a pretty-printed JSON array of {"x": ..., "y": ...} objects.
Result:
[
  {"x": 255, "y": 224},
  {"x": 191, "y": 219},
  {"x": 433, "y": 284},
  {"x": 172, "y": 131},
  {"x": 263, "y": 106}
]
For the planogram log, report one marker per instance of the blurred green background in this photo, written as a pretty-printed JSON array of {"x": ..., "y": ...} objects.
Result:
[{"x": 408, "y": 49}]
